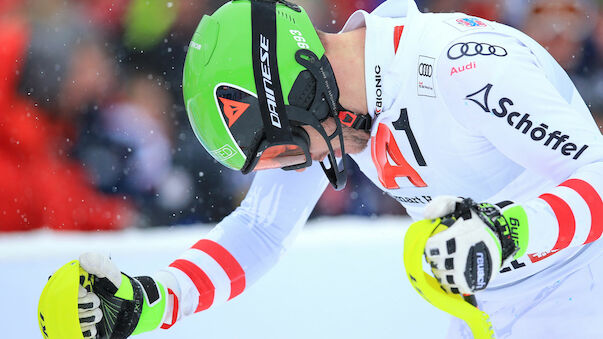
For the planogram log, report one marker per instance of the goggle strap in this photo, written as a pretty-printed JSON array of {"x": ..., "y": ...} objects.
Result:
[{"x": 265, "y": 71}]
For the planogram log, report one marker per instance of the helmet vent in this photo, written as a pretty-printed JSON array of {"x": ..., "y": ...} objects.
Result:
[{"x": 286, "y": 16}]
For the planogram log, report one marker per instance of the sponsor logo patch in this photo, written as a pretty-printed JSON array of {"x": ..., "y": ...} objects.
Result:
[
  {"x": 223, "y": 153},
  {"x": 425, "y": 70},
  {"x": 468, "y": 23},
  {"x": 425, "y": 76},
  {"x": 478, "y": 270},
  {"x": 424, "y": 199},
  {"x": 232, "y": 101},
  {"x": 471, "y": 22},
  {"x": 378, "y": 91},
  {"x": 195, "y": 45},
  {"x": 454, "y": 70},
  {"x": 233, "y": 109},
  {"x": 536, "y": 257},
  {"x": 555, "y": 140},
  {"x": 469, "y": 49},
  {"x": 275, "y": 119},
  {"x": 481, "y": 274}
]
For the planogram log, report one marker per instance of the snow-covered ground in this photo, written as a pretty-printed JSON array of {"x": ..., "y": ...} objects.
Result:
[{"x": 343, "y": 278}]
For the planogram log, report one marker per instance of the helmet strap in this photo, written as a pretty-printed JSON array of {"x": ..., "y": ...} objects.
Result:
[
  {"x": 265, "y": 70},
  {"x": 362, "y": 122},
  {"x": 326, "y": 91}
]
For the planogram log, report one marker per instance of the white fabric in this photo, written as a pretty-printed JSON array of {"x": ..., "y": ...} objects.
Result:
[
  {"x": 101, "y": 266},
  {"x": 472, "y": 153},
  {"x": 564, "y": 308},
  {"x": 258, "y": 232},
  {"x": 184, "y": 288},
  {"x": 468, "y": 151},
  {"x": 440, "y": 206}
]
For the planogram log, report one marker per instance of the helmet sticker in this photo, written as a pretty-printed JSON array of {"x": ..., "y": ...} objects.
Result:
[
  {"x": 223, "y": 153},
  {"x": 195, "y": 45},
  {"x": 232, "y": 109},
  {"x": 232, "y": 101}
]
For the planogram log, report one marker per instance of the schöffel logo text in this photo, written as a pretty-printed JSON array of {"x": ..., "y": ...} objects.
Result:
[
  {"x": 556, "y": 140},
  {"x": 267, "y": 78}
]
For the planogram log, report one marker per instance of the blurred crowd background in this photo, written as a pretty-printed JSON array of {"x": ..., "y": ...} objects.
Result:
[{"x": 93, "y": 130}]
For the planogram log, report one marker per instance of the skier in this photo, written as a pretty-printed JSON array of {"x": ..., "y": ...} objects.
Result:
[{"x": 432, "y": 107}]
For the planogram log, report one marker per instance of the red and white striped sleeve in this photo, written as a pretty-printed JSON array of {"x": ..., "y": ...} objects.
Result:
[
  {"x": 569, "y": 215},
  {"x": 243, "y": 246},
  {"x": 525, "y": 106},
  {"x": 222, "y": 277}
]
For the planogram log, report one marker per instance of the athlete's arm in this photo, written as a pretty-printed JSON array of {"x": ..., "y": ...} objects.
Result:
[
  {"x": 525, "y": 106},
  {"x": 245, "y": 245}
]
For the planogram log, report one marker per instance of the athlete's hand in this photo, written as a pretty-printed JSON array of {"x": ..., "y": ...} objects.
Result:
[
  {"x": 88, "y": 302},
  {"x": 468, "y": 248},
  {"x": 113, "y": 305}
]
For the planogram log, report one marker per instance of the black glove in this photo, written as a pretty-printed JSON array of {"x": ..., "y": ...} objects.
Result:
[{"x": 113, "y": 305}]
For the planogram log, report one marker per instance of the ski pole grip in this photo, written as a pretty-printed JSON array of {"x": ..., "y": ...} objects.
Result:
[{"x": 429, "y": 288}]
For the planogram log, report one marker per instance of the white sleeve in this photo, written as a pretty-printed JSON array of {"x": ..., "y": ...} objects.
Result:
[
  {"x": 246, "y": 244},
  {"x": 519, "y": 102}
]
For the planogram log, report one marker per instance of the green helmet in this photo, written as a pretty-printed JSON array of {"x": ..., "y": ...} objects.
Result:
[{"x": 255, "y": 72}]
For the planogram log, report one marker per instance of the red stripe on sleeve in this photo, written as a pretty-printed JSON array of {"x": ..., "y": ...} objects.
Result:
[
  {"x": 397, "y": 35},
  {"x": 229, "y": 264},
  {"x": 200, "y": 279},
  {"x": 174, "y": 311},
  {"x": 565, "y": 219},
  {"x": 593, "y": 200}
]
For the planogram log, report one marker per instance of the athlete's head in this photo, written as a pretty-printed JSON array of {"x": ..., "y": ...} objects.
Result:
[{"x": 255, "y": 73}]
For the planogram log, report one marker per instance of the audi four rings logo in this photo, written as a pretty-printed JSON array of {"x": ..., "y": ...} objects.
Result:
[
  {"x": 461, "y": 49},
  {"x": 425, "y": 70}
]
